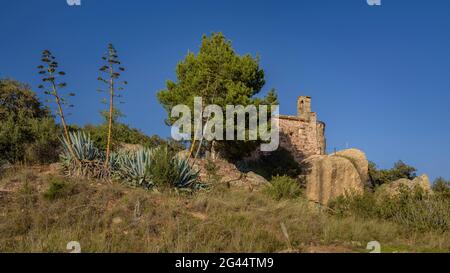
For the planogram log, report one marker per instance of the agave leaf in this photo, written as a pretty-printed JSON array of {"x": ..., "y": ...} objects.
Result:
[{"x": 184, "y": 175}]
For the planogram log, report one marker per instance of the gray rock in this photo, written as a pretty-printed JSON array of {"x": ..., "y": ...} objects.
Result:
[
  {"x": 330, "y": 176},
  {"x": 255, "y": 179},
  {"x": 393, "y": 188}
]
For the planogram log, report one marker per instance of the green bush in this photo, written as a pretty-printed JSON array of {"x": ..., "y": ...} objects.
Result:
[
  {"x": 283, "y": 187},
  {"x": 28, "y": 132},
  {"x": 442, "y": 187},
  {"x": 429, "y": 213},
  {"x": 400, "y": 170},
  {"x": 56, "y": 190},
  {"x": 359, "y": 205},
  {"x": 46, "y": 146},
  {"x": 123, "y": 133},
  {"x": 412, "y": 208},
  {"x": 161, "y": 168},
  {"x": 212, "y": 171}
]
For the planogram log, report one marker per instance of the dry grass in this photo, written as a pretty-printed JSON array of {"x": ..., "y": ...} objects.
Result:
[{"x": 114, "y": 218}]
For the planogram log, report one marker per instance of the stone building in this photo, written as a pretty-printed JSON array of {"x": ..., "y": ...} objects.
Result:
[{"x": 302, "y": 135}]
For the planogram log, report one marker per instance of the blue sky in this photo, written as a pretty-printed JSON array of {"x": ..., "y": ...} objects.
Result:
[{"x": 379, "y": 76}]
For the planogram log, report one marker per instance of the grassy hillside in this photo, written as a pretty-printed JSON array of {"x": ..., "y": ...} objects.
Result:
[{"x": 41, "y": 211}]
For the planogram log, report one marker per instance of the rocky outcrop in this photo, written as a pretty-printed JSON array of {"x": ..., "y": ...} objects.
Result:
[
  {"x": 329, "y": 176},
  {"x": 393, "y": 188},
  {"x": 224, "y": 172},
  {"x": 255, "y": 179},
  {"x": 359, "y": 160}
]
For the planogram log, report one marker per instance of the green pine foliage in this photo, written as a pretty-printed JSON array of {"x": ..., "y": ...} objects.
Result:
[{"x": 220, "y": 76}]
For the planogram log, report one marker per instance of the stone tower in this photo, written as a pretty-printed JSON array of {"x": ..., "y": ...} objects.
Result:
[
  {"x": 303, "y": 135},
  {"x": 304, "y": 107}
]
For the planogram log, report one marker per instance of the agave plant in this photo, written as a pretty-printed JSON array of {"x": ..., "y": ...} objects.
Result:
[
  {"x": 184, "y": 176},
  {"x": 133, "y": 167},
  {"x": 149, "y": 168},
  {"x": 90, "y": 159},
  {"x": 83, "y": 147},
  {"x": 114, "y": 161},
  {"x": 142, "y": 168}
]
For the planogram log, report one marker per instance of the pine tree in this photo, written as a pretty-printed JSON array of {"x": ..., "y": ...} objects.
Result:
[
  {"x": 112, "y": 68},
  {"x": 220, "y": 76}
]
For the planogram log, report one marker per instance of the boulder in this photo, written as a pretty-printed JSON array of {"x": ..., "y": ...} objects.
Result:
[
  {"x": 393, "y": 188},
  {"x": 255, "y": 179},
  {"x": 229, "y": 174},
  {"x": 330, "y": 176},
  {"x": 359, "y": 160}
]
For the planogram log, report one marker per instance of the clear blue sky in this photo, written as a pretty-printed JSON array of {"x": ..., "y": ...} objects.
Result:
[{"x": 379, "y": 76}]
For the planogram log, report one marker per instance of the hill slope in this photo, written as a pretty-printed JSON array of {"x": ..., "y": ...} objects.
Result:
[{"x": 41, "y": 211}]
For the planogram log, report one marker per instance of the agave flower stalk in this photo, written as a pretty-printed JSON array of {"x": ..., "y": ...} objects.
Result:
[
  {"x": 50, "y": 73},
  {"x": 111, "y": 68}
]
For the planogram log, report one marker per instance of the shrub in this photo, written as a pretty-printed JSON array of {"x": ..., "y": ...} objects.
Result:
[
  {"x": 125, "y": 134},
  {"x": 400, "y": 170},
  {"x": 212, "y": 171},
  {"x": 28, "y": 132},
  {"x": 359, "y": 205},
  {"x": 46, "y": 146},
  {"x": 161, "y": 167},
  {"x": 430, "y": 213},
  {"x": 56, "y": 190},
  {"x": 412, "y": 208},
  {"x": 283, "y": 187},
  {"x": 442, "y": 187}
]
